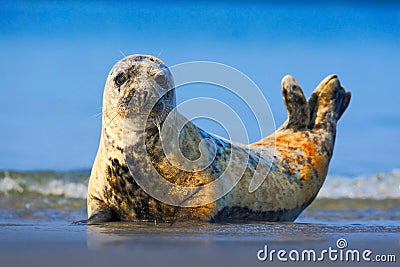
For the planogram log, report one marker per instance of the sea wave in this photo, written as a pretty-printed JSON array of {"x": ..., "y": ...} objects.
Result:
[
  {"x": 379, "y": 186},
  {"x": 63, "y": 184}
]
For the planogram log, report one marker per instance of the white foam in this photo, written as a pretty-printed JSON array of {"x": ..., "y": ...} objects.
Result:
[
  {"x": 8, "y": 184},
  {"x": 55, "y": 186},
  {"x": 60, "y": 188},
  {"x": 383, "y": 185}
]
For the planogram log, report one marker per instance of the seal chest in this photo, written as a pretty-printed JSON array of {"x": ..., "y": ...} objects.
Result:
[{"x": 138, "y": 143}]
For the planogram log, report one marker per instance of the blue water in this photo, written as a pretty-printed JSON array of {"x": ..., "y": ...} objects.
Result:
[{"x": 55, "y": 58}]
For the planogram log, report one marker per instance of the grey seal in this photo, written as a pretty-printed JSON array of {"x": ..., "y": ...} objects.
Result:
[{"x": 296, "y": 170}]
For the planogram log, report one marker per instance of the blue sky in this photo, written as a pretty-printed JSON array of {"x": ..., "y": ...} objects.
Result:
[{"x": 55, "y": 58}]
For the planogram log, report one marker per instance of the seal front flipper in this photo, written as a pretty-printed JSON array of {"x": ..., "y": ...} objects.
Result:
[
  {"x": 99, "y": 212},
  {"x": 101, "y": 217},
  {"x": 296, "y": 105}
]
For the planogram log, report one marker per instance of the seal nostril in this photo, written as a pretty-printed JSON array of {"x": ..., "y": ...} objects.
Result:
[
  {"x": 139, "y": 99},
  {"x": 143, "y": 97},
  {"x": 145, "y": 94}
]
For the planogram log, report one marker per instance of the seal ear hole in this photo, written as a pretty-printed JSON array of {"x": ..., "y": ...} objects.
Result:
[{"x": 119, "y": 80}]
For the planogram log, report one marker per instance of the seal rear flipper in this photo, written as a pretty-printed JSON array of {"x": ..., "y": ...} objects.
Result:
[
  {"x": 327, "y": 104},
  {"x": 296, "y": 105}
]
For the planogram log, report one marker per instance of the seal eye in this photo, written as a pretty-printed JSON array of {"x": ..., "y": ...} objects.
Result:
[
  {"x": 119, "y": 79},
  {"x": 162, "y": 81}
]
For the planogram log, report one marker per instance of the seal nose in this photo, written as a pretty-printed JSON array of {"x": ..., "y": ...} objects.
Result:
[{"x": 139, "y": 99}]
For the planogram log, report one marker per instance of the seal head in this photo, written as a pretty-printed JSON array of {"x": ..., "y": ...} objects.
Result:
[{"x": 140, "y": 84}]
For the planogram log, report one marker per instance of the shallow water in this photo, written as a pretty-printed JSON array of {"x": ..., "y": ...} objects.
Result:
[
  {"x": 37, "y": 210},
  {"x": 52, "y": 242}
]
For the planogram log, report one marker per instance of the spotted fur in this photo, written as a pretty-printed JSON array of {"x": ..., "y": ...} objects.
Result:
[{"x": 304, "y": 146}]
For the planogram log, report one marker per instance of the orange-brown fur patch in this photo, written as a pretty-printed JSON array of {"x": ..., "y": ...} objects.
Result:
[{"x": 299, "y": 148}]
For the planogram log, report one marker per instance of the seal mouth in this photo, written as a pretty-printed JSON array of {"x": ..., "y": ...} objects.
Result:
[
  {"x": 140, "y": 108},
  {"x": 155, "y": 114}
]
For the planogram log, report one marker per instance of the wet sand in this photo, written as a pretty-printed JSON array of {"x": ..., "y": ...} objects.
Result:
[{"x": 58, "y": 243}]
